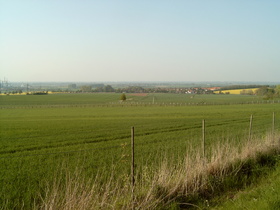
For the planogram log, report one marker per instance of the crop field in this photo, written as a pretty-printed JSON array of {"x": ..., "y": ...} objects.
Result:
[
  {"x": 237, "y": 91},
  {"x": 42, "y": 134},
  {"x": 106, "y": 99}
]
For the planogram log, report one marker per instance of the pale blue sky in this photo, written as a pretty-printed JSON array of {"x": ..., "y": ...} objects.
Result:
[{"x": 155, "y": 40}]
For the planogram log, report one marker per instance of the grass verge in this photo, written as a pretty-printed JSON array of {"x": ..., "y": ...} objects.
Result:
[
  {"x": 264, "y": 195},
  {"x": 194, "y": 182}
]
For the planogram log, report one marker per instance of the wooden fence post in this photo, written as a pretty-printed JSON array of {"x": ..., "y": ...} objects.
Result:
[
  {"x": 273, "y": 126},
  {"x": 203, "y": 138},
  {"x": 132, "y": 164},
  {"x": 250, "y": 129}
]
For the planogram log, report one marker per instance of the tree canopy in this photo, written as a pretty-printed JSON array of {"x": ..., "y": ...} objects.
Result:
[{"x": 123, "y": 97}]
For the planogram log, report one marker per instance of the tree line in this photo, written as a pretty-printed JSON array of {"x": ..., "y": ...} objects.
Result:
[
  {"x": 139, "y": 89},
  {"x": 237, "y": 87},
  {"x": 268, "y": 92}
]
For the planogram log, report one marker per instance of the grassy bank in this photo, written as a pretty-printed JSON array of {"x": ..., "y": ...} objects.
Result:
[
  {"x": 192, "y": 182},
  {"x": 264, "y": 195}
]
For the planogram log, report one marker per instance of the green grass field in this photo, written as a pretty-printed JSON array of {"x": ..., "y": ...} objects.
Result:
[
  {"x": 113, "y": 98},
  {"x": 39, "y": 134}
]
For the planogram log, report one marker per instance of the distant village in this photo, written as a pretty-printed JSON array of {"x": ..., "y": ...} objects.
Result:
[{"x": 7, "y": 88}]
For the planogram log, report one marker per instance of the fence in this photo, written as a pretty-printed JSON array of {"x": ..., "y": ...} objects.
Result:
[
  {"x": 204, "y": 138},
  {"x": 203, "y": 144},
  {"x": 131, "y": 104},
  {"x": 204, "y": 125}
]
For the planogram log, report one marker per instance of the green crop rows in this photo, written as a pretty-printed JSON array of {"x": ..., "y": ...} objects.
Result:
[
  {"x": 39, "y": 134},
  {"x": 113, "y": 98}
]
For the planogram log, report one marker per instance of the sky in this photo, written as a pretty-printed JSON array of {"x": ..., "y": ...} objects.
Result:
[{"x": 139, "y": 40}]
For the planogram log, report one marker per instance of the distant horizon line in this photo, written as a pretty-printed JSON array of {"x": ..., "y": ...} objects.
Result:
[{"x": 145, "y": 82}]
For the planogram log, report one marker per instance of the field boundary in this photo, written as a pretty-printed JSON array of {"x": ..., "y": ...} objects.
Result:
[{"x": 135, "y": 104}]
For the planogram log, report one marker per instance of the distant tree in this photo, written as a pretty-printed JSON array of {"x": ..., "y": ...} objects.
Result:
[
  {"x": 277, "y": 90},
  {"x": 123, "y": 97},
  {"x": 86, "y": 88},
  {"x": 262, "y": 91},
  {"x": 270, "y": 94},
  {"x": 246, "y": 92},
  {"x": 109, "y": 88},
  {"x": 267, "y": 93},
  {"x": 250, "y": 92}
]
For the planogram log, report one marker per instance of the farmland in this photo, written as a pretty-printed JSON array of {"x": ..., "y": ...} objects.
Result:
[
  {"x": 237, "y": 91},
  {"x": 42, "y": 134},
  {"x": 97, "y": 99}
]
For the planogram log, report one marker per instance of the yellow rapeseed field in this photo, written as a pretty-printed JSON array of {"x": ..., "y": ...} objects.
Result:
[
  {"x": 237, "y": 91},
  {"x": 24, "y": 93}
]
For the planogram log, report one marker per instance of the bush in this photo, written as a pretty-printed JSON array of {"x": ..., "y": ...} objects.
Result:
[{"x": 123, "y": 97}]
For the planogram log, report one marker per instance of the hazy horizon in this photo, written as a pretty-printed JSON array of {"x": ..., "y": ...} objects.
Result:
[
  {"x": 140, "y": 41},
  {"x": 139, "y": 83}
]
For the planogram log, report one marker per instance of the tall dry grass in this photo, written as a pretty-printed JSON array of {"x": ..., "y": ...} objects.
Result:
[{"x": 157, "y": 187}]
